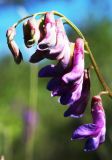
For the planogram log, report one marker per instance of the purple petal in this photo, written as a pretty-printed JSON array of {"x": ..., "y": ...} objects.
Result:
[
  {"x": 57, "y": 87},
  {"x": 54, "y": 83},
  {"x": 91, "y": 144},
  {"x": 51, "y": 71},
  {"x": 78, "y": 62},
  {"x": 77, "y": 109},
  {"x": 73, "y": 94},
  {"x": 102, "y": 134},
  {"x": 37, "y": 56},
  {"x": 85, "y": 131}
]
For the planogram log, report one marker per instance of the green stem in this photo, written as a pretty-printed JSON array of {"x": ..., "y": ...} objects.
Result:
[{"x": 33, "y": 15}]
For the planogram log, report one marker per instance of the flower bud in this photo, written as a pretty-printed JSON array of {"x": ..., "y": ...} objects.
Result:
[
  {"x": 31, "y": 31},
  {"x": 11, "y": 32}
]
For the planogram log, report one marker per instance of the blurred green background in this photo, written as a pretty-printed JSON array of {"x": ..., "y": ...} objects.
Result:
[{"x": 32, "y": 125}]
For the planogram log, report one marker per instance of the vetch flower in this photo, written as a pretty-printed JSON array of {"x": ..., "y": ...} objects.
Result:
[
  {"x": 94, "y": 132},
  {"x": 77, "y": 108},
  {"x": 11, "y": 32},
  {"x": 30, "y": 119}
]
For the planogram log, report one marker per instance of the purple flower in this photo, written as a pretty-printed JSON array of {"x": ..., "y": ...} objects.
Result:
[
  {"x": 30, "y": 118},
  {"x": 94, "y": 132},
  {"x": 11, "y": 32},
  {"x": 77, "y": 108}
]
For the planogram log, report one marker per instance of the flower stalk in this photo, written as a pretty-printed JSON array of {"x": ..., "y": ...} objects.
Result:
[{"x": 88, "y": 50}]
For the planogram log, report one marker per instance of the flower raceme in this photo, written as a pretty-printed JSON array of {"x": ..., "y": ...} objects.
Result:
[{"x": 70, "y": 81}]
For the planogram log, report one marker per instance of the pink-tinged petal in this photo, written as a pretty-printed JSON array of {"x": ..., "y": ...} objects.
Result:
[
  {"x": 77, "y": 109},
  {"x": 60, "y": 40},
  {"x": 97, "y": 111},
  {"x": 92, "y": 144},
  {"x": 50, "y": 32},
  {"x": 66, "y": 52},
  {"x": 86, "y": 131},
  {"x": 11, "y": 32},
  {"x": 78, "y": 62}
]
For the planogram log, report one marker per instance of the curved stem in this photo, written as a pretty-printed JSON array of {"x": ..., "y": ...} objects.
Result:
[
  {"x": 21, "y": 20},
  {"x": 103, "y": 93}
]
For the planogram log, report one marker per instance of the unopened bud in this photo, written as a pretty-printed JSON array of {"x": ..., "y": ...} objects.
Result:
[{"x": 11, "y": 32}]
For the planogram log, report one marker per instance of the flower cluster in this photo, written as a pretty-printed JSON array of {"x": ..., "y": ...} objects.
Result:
[{"x": 70, "y": 81}]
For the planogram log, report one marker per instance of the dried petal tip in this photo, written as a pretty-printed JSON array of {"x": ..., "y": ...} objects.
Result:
[
  {"x": 31, "y": 32},
  {"x": 13, "y": 46}
]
